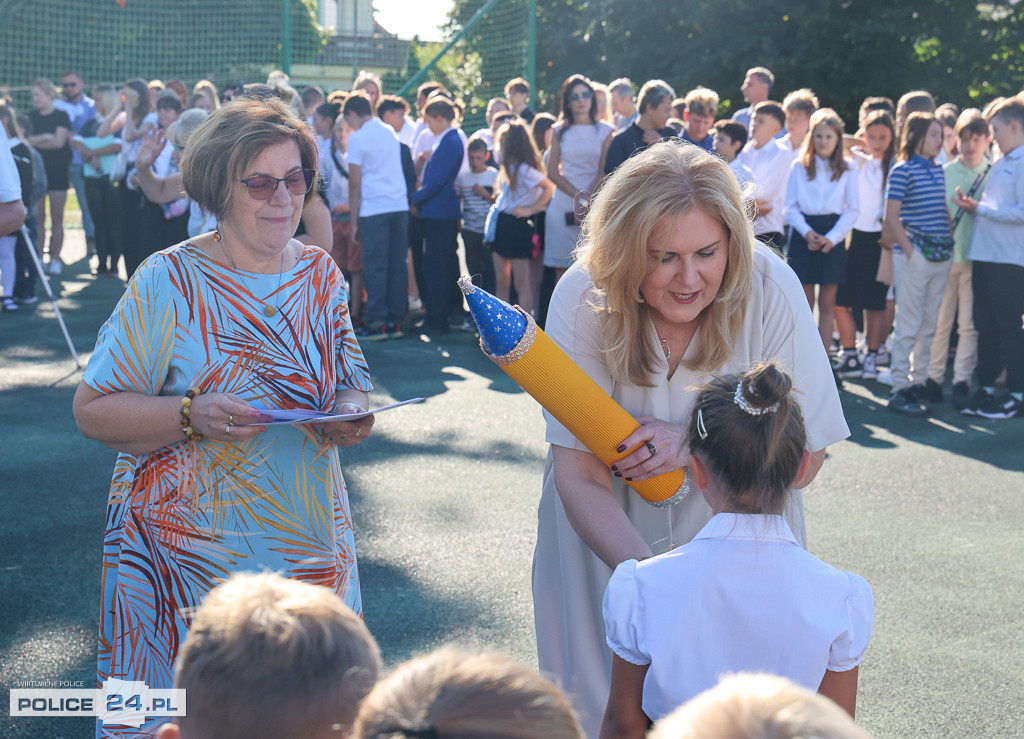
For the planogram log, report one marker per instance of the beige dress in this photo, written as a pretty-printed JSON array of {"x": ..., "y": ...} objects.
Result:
[{"x": 568, "y": 579}]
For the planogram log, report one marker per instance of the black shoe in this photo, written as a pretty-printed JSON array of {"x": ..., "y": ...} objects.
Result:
[
  {"x": 976, "y": 402},
  {"x": 930, "y": 391},
  {"x": 1004, "y": 406},
  {"x": 906, "y": 402},
  {"x": 961, "y": 395}
]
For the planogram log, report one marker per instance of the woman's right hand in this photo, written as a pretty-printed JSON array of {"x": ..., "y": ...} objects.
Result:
[
  {"x": 225, "y": 417},
  {"x": 669, "y": 442}
]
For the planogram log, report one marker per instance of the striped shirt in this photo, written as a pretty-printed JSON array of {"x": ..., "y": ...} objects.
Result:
[
  {"x": 921, "y": 186},
  {"x": 474, "y": 207}
]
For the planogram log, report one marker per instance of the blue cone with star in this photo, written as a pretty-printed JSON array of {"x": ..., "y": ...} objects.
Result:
[{"x": 500, "y": 325}]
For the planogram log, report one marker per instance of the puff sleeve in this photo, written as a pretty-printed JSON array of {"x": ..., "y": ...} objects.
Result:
[
  {"x": 621, "y": 608},
  {"x": 848, "y": 649}
]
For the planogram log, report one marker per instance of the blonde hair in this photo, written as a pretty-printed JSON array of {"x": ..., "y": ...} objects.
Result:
[
  {"x": 46, "y": 86},
  {"x": 449, "y": 694},
  {"x": 702, "y": 101},
  {"x": 824, "y": 117},
  {"x": 364, "y": 79},
  {"x": 268, "y": 657},
  {"x": 665, "y": 180},
  {"x": 757, "y": 706},
  {"x": 108, "y": 94},
  {"x": 205, "y": 87},
  {"x": 802, "y": 100}
]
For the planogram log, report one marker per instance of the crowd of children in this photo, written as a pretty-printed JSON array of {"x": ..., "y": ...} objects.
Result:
[{"x": 879, "y": 222}]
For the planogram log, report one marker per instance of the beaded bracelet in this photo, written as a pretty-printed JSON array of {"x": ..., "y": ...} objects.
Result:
[{"x": 186, "y": 412}]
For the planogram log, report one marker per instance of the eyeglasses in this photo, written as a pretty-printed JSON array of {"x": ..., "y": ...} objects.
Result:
[
  {"x": 262, "y": 187},
  {"x": 579, "y": 96}
]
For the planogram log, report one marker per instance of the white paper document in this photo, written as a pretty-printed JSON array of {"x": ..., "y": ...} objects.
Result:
[{"x": 280, "y": 415}]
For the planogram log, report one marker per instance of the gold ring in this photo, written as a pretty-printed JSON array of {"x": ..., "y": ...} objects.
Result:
[{"x": 227, "y": 429}]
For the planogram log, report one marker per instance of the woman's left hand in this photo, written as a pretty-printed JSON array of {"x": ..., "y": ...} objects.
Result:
[
  {"x": 670, "y": 453},
  {"x": 348, "y": 433}
]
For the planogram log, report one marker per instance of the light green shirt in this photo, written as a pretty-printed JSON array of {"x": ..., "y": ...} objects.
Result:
[{"x": 958, "y": 175}]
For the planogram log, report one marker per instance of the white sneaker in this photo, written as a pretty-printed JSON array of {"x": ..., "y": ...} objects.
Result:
[
  {"x": 55, "y": 267},
  {"x": 884, "y": 376},
  {"x": 415, "y": 304}
]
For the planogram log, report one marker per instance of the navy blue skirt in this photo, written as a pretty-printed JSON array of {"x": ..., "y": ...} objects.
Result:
[{"x": 814, "y": 267}]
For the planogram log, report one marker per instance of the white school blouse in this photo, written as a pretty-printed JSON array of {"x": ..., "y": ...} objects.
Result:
[
  {"x": 822, "y": 196},
  {"x": 742, "y": 596},
  {"x": 770, "y": 166},
  {"x": 870, "y": 190}
]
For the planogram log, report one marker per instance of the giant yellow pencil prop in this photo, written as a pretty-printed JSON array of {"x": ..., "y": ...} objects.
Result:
[{"x": 512, "y": 339}]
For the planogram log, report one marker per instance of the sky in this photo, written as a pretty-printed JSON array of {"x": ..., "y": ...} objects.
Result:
[{"x": 408, "y": 18}]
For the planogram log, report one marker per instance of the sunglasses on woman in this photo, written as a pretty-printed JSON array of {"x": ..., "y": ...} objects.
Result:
[
  {"x": 578, "y": 96},
  {"x": 262, "y": 187}
]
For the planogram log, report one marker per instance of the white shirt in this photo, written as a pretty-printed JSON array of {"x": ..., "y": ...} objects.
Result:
[
  {"x": 427, "y": 141},
  {"x": 374, "y": 148},
  {"x": 870, "y": 192},
  {"x": 742, "y": 596},
  {"x": 822, "y": 196},
  {"x": 770, "y": 166},
  {"x": 742, "y": 173},
  {"x": 999, "y": 223},
  {"x": 10, "y": 181},
  {"x": 408, "y": 133}
]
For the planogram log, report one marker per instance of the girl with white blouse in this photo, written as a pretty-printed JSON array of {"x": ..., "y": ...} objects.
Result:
[
  {"x": 821, "y": 208},
  {"x": 862, "y": 290},
  {"x": 742, "y": 596}
]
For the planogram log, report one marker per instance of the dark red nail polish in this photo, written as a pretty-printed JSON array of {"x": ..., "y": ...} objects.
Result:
[
  {"x": 614, "y": 468},
  {"x": 621, "y": 449},
  {"x": 629, "y": 479},
  {"x": 618, "y": 474}
]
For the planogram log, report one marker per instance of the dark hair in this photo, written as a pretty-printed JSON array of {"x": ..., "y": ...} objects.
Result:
[
  {"x": 565, "y": 114},
  {"x": 772, "y": 108},
  {"x": 441, "y": 105},
  {"x": 142, "y": 107},
  {"x": 502, "y": 115},
  {"x": 652, "y": 94},
  {"x": 734, "y": 130},
  {"x": 359, "y": 104},
  {"x": 387, "y": 103},
  {"x": 429, "y": 88},
  {"x": 169, "y": 101},
  {"x": 539, "y": 126},
  {"x": 881, "y": 117},
  {"x": 516, "y": 147},
  {"x": 1008, "y": 110},
  {"x": 516, "y": 85},
  {"x": 914, "y": 132},
  {"x": 476, "y": 143},
  {"x": 973, "y": 123},
  {"x": 753, "y": 454},
  {"x": 311, "y": 94},
  {"x": 329, "y": 110}
]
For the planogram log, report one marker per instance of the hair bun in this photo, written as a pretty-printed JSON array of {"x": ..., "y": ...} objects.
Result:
[{"x": 765, "y": 385}]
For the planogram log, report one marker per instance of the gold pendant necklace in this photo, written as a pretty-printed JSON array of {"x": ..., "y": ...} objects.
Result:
[{"x": 269, "y": 310}]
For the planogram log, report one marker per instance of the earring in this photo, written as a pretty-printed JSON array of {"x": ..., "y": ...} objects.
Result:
[
  {"x": 640, "y": 297},
  {"x": 216, "y": 235}
]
